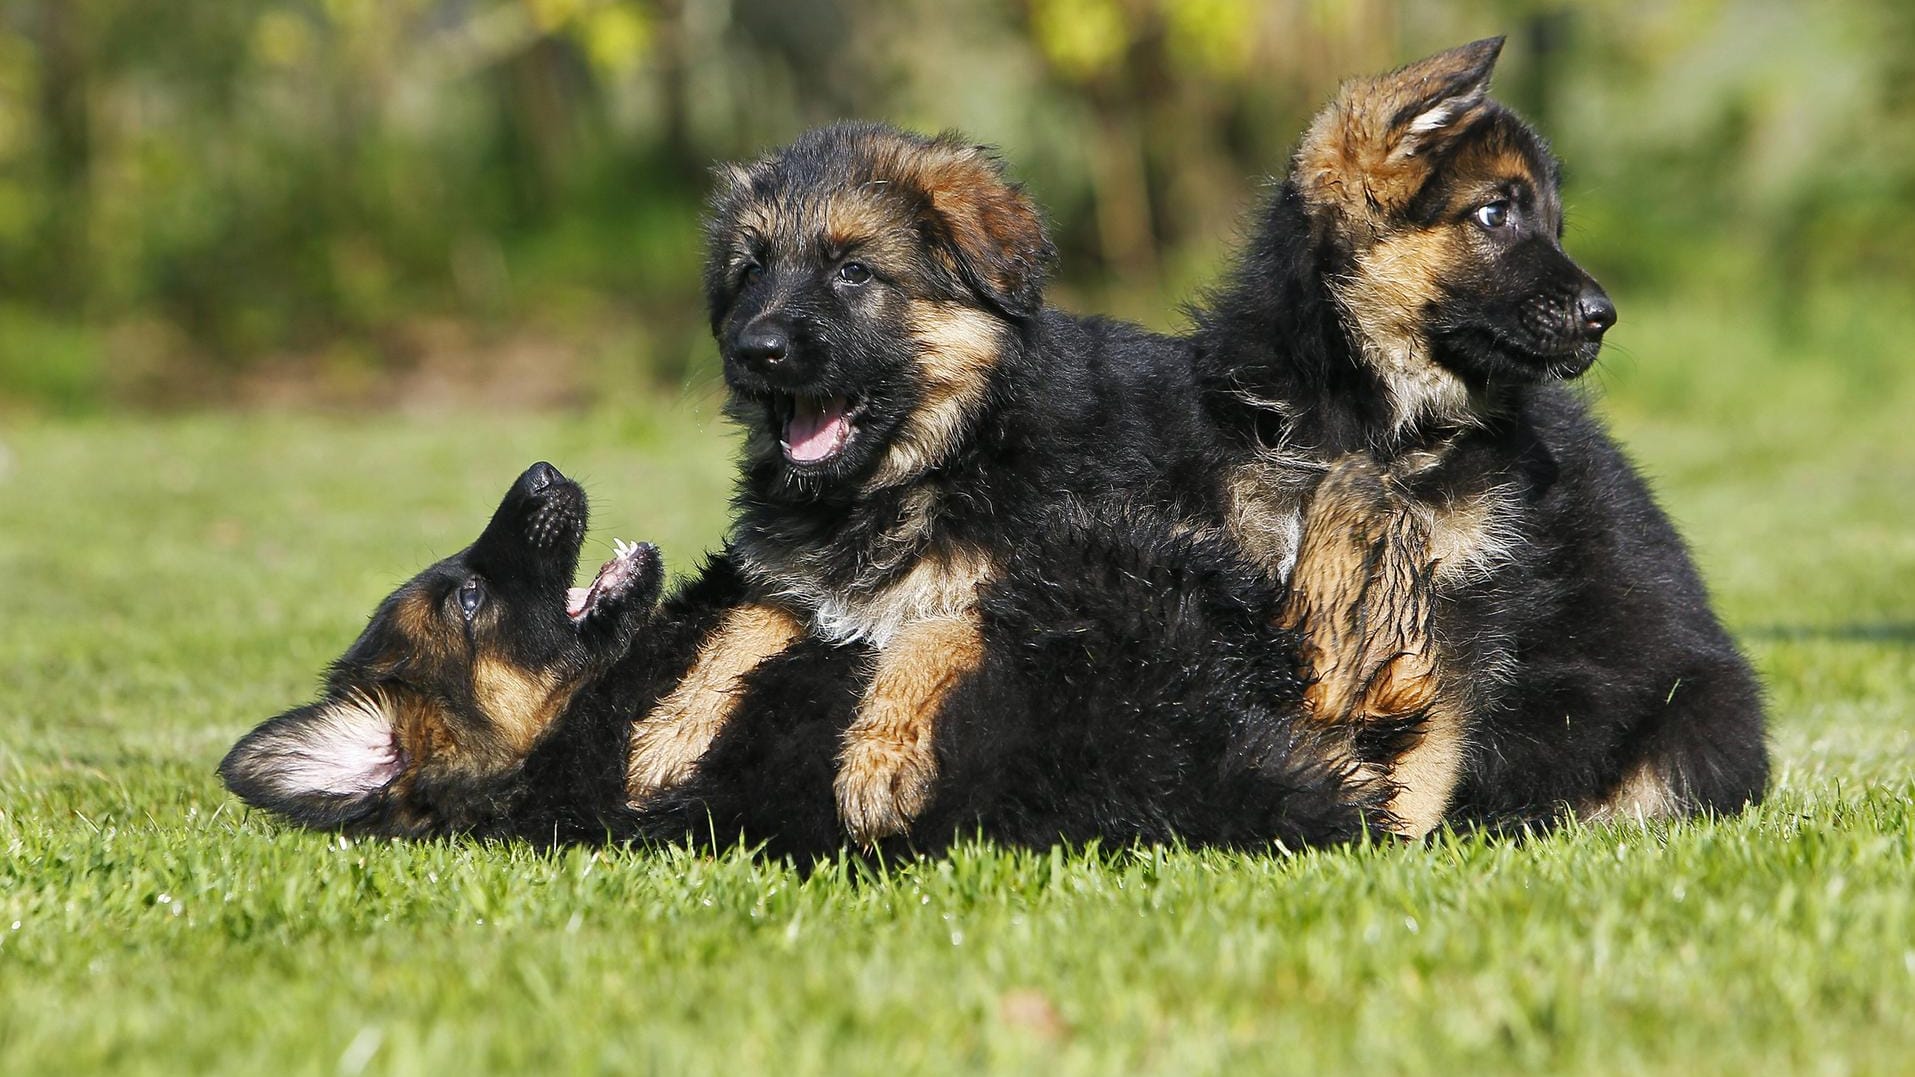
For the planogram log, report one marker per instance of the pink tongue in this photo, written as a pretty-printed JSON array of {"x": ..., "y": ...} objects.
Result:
[
  {"x": 816, "y": 430},
  {"x": 575, "y": 599}
]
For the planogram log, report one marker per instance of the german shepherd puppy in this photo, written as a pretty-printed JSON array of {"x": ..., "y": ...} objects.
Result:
[
  {"x": 430, "y": 714},
  {"x": 1402, "y": 321},
  {"x": 1129, "y": 687},
  {"x": 913, "y": 415}
]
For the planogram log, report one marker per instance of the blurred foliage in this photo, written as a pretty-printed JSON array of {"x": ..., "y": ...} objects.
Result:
[{"x": 335, "y": 190}]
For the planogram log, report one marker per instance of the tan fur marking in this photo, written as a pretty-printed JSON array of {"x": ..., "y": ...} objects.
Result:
[
  {"x": 416, "y": 619},
  {"x": 668, "y": 743},
  {"x": 935, "y": 587},
  {"x": 994, "y": 225},
  {"x": 1644, "y": 794},
  {"x": 422, "y": 729},
  {"x": 755, "y": 218},
  {"x": 957, "y": 347},
  {"x": 887, "y": 766},
  {"x": 521, "y": 703},
  {"x": 1362, "y": 598},
  {"x": 1263, "y": 514},
  {"x": 871, "y": 222},
  {"x": 1426, "y": 775},
  {"x": 1471, "y": 538},
  {"x": 1363, "y": 157},
  {"x": 420, "y": 625},
  {"x": 1385, "y": 300}
]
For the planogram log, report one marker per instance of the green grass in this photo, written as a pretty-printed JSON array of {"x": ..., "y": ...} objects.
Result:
[{"x": 166, "y": 583}]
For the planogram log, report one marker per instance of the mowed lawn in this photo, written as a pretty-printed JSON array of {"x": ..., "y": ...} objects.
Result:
[{"x": 167, "y": 582}]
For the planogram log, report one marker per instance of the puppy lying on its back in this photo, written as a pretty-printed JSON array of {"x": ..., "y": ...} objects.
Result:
[{"x": 1129, "y": 687}]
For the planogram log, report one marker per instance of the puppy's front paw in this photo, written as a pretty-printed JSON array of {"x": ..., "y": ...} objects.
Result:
[
  {"x": 882, "y": 785},
  {"x": 663, "y": 754},
  {"x": 668, "y": 744},
  {"x": 1361, "y": 600},
  {"x": 620, "y": 599}
]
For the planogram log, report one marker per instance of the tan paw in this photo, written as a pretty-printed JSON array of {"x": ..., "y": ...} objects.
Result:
[
  {"x": 882, "y": 785},
  {"x": 664, "y": 753}
]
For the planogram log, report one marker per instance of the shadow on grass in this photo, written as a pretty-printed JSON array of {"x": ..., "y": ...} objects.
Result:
[{"x": 1852, "y": 632}]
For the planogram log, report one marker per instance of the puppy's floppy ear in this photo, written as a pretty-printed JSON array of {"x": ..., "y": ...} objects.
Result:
[
  {"x": 995, "y": 231},
  {"x": 322, "y": 765},
  {"x": 1371, "y": 145}
]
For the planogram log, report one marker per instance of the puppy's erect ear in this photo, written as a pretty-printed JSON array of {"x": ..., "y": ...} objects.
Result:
[
  {"x": 730, "y": 182},
  {"x": 1368, "y": 150},
  {"x": 729, "y": 179},
  {"x": 996, "y": 232},
  {"x": 321, "y": 765}
]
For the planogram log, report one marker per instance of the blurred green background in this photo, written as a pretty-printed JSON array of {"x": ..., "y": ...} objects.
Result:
[
  {"x": 440, "y": 202},
  {"x": 290, "y": 289}
]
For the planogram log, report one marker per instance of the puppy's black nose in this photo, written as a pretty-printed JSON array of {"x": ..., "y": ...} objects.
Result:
[
  {"x": 761, "y": 345},
  {"x": 539, "y": 476},
  {"x": 1594, "y": 313}
]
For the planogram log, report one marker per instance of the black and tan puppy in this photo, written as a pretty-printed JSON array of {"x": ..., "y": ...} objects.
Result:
[
  {"x": 1402, "y": 320},
  {"x": 427, "y": 719},
  {"x": 914, "y": 415},
  {"x": 1129, "y": 687}
]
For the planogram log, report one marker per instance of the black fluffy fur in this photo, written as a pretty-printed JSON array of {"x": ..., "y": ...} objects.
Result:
[
  {"x": 1132, "y": 691},
  {"x": 1074, "y": 410},
  {"x": 1610, "y": 657}
]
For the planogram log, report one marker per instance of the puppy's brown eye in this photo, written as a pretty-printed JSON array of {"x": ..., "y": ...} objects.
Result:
[
  {"x": 854, "y": 273},
  {"x": 753, "y": 271},
  {"x": 1493, "y": 215},
  {"x": 471, "y": 595}
]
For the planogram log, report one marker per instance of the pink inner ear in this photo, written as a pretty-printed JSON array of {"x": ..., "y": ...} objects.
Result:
[{"x": 348, "y": 748}]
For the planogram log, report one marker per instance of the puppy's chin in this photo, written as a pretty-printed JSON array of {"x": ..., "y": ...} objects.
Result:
[
  {"x": 1573, "y": 365},
  {"x": 1482, "y": 357}
]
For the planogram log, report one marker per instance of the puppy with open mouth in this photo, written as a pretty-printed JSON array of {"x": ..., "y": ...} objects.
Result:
[
  {"x": 428, "y": 719},
  {"x": 1130, "y": 688},
  {"x": 975, "y": 541},
  {"x": 913, "y": 413}
]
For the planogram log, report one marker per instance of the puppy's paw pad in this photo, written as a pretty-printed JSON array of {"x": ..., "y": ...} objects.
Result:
[{"x": 633, "y": 571}]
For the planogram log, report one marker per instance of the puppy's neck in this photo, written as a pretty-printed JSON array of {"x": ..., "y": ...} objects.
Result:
[
  {"x": 1383, "y": 292},
  {"x": 1426, "y": 401},
  {"x": 862, "y": 577}
]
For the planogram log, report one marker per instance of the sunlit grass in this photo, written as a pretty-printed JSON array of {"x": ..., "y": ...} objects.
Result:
[{"x": 166, "y": 583}]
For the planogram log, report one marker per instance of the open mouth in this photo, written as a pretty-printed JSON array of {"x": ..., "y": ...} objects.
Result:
[
  {"x": 615, "y": 579},
  {"x": 815, "y": 430}
]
